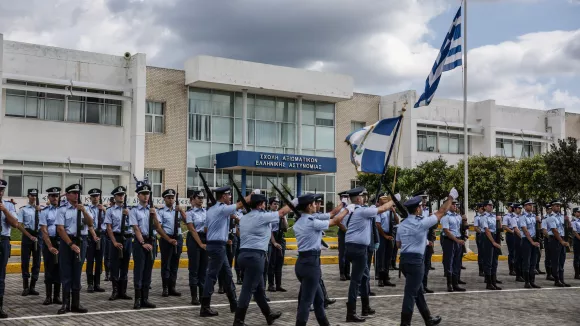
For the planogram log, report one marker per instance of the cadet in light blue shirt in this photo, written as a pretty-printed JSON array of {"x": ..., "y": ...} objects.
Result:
[
  {"x": 308, "y": 230},
  {"x": 217, "y": 222},
  {"x": 343, "y": 263},
  {"x": 488, "y": 223},
  {"x": 195, "y": 241},
  {"x": 479, "y": 237},
  {"x": 412, "y": 240},
  {"x": 527, "y": 223},
  {"x": 555, "y": 224},
  {"x": 255, "y": 235},
  {"x": 452, "y": 247},
  {"x": 29, "y": 227},
  {"x": 576, "y": 241},
  {"x": 359, "y": 224},
  {"x": 7, "y": 220},
  {"x": 509, "y": 236},
  {"x": 513, "y": 224},
  {"x": 96, "y": 243},
  {"x": 386, "y": 243},
  {"x": 47, "y": 222}
]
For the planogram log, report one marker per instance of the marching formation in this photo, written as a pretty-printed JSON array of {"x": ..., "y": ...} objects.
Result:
[{"x": 69, "y": 235}]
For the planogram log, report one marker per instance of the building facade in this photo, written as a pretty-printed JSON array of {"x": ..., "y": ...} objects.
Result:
[{"x": 70, "y": 116}]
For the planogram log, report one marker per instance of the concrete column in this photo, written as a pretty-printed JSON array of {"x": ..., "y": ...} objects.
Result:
[
  {"x": 243, "y": 182},
  {"x": 136, "y": 124},
  {"x": 298, "y": 184},
  {"x": 487, "y": 112},
  {"x": 299, "y": 125},
  {"x": 244, "y": 121},
  {"x": 2, "y": 98}
]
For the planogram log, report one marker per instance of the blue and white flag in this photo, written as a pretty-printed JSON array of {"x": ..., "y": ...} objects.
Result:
[
  {"x": 370, "y": 146},
  {"x": 448, "y": 59}
]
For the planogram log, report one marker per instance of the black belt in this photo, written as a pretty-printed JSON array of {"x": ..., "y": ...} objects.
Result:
[
  {"x": 126, "y": 236},
  {"x": 5, "y": 237},
  {"x": 309, "y": 253},
  {"x": 32, "y": 233},
  {"x": 216, "y": 242},
  {"x": 72, "y": 237},
  {"x": 253, "y": 250},
  {"x": 54, "y": 238}
]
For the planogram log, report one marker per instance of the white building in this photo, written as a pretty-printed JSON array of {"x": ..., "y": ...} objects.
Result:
[
  {"x": 437, "y": 130},
  {"x": 69, "y": 115}
]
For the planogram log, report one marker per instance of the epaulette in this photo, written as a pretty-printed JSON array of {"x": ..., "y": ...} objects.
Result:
[{"x": 311, "y": 218}]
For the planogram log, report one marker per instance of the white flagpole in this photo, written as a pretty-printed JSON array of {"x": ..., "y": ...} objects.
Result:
[{"x": 465, "y": 137}]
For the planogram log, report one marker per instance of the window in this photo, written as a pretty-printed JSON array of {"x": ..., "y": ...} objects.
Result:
[
  {"x": 154, "y": 117},
  {"x": 58, "y": 107},
  {"x": 156, "y": 181},
  {"x": 356, "y": 125},
  {"x": 354, "y": 183},
  {"x": 517, "y": 148},
  {"x": 446, "y": 140}
]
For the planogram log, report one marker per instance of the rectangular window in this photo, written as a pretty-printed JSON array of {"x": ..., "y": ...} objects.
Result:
[
  {"x": 324, "y": 114},
  {"x": 356, "y": 125},
  {"x": 517, "y": 148},
  {"x": 354, "y": 183},
  {"x": 440, "y": 142},
  {"x": 156, "y": 181},
  {"x": 155, "y": 117},
  {"x": 324, "y": 138},
  {"x": 199, "y": 127}
]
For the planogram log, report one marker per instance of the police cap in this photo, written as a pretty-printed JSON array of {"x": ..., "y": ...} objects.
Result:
[
  {"x": 74, "y": 188},
  {"x": 32, "y": 192},
  {"x": 168, "y": 192},
  {"x": 272, "y": 200},
  {"x": 120, "y": 190},
  {"x": 95, "y": 192},
  {"x": 3, "y": 184}
]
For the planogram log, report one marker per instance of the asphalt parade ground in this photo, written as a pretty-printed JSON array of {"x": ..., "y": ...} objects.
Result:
[{"x": 512, "y": 306}]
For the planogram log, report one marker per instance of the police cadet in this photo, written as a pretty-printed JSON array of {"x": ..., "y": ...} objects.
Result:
[
  {"x": 217, "y": 222},
  {"x": 358, "y": 237},
  {"x": 479, "y": 236},
  {"x": 170, "y": 254},
  {"x": 51, "y": 245},
  {"x": 71, "y": 254},
  {"x": 527, "y": 225},
  {"x": 255, "y": 235},
  {"x": 318, "y": 200},
  {"x": 452, "y": 244},
  {"x": 231, "y": 247},
  {"x": 94, "y": 251},
  {"x": 343, "y": 264},
  {"x": 576, "y": 242},
  {"x": 430, "y": 245},
  {"x": 385, "y": 228},
  {"x": 507, "y": 226},
  {"x": 518, "y": 235},
  {"x": 308, "y": 230},
  {"x": 145, "y": 220},
  {"x": 547, "y": 262},
  {"x": 490, "y": 247},
  {"x": 279, "y": 248},
  {"x": 412, "y": 239},
  {"x": 108, "y": 244},
  {"x": 8, "y": 220},
  {"x": 557, "y": 244},
  {"x": 121, "y": 235},
  {"x": 239, "y": 272},
  {"x": 195, "y": 242},
  {"x": 29, "y": 226}
]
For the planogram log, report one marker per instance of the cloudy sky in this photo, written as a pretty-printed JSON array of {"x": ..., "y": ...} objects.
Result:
[{"x": 521, "y": 52}]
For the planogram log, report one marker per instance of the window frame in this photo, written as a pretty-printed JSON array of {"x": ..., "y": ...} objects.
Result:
[{"x": 154, "y": 116}]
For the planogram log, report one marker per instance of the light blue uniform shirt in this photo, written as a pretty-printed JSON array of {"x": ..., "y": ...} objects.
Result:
[
  {"x": 196, "y": 216},
  {"x": 67, "y": 217},
  {"x": 477, "y": 222},
  {"x": 275, "y": 225},
  {"x": 545, "y": 222},
  {"x": 255, "y": 229},
  {"x": 114, "y": 217},
  {"x": 506, "y": 219},
  {"x": 322, "y": 216},
  {"x": 385, "y": 220},
  {"x": 343, "y": 222},
  {"x": 529, "y": 221},
  {"x": 139, "y": 216},
  {"x": 576, "y": 225},
  {"x": 556, "y": 221},
  {"x": 513, "y": 221},
  {"x": 425, "y": 211},
  {"x": 166, "y": 216},
  {"x": 94, "y": 210},
  {"x": 26, "y": 216},
  {"x": 452, "y": 222},
  {"x": 47, "y": 218},
  {"x": 6, "y": 228},
  {"x": 218, "y": 221},
  {"x": 308, "y": 230},
  {"x": 359, "y": 225},
  {"x": 412, "y": 233},
  {"x": 488, "y": 221}
]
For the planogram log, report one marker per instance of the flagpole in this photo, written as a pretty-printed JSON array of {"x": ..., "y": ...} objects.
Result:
[{"x": 465, "y": 137}]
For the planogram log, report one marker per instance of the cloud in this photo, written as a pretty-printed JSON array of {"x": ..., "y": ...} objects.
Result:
[{"x": 565, "y": 100}]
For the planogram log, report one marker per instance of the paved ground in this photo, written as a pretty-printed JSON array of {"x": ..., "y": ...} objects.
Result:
[{"x": 512, "y": 306}]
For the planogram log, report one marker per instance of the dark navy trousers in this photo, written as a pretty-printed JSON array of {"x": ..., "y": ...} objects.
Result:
[
  {"x": 518, "y": 256},
  {"x": 307, "y": 271},
  {"x": 252, "y": 263},
  {"x": 412, "y": 266},
  {"x": 576, "y": 252},
  {"x": 357, "y": 254},
  {"x": 557, "y": 258},
  {"x": 490, "y": 256},
  {"x": 170, "y": 258},
  {"x": 70, "y": 267},
  {"x": 452, "y": 253},
  {"x": 384, "y": 255},
  {"x": 509, "y": 240},
  {"x": 480, "y": 254},
  {"x": 197, "y": 263},
  {"x": 94, "y": 256},
  {"x": 218, "y": 265},
  {"x": 343, "y": 263},
  {"x": 51, "y": 267},
  {"x": 529, "y": 257},
  {"x": 143, "y": 266},
  {"x": 120, "y": 266},
  {"x": 28, "y": 251},
  {"x": 5, "y": 248},
  {"x": 427, "y": 264}
]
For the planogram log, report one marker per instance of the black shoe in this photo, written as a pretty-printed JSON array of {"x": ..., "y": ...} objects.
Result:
[
  {"x": 48, "y": 300},
  {"x": 97, "y": 282},
  {"x": 449, "y": 284},
  {"x": 494, "y": 281},
  {"x": 171, "y": 289},
  {"x": 388, "y": 283},
  {"x": 455, "y": 283},
  {"x": 461, "y": 282},
  {"x": 114, "y": 292},
  {"x": 194, "y": 299},
  {"x": 233, "y": 302},
  {"x": 342, "y": 277},
  {"x": 463, "y": 267},
  {"x": 240, "y": 317},
  {"x": 427, "y": 290},
  {"x": 137, "y": 304},
  {"x": 430, "y": 320},
  {"x": 271, "y": 288},
  {"x": 239, "y": 281},
  {"x": 381, "y": 284},
  {"x": 520, "y": 279},
  {"x": 31, "y": 289},
  {"x": 107, "y": 277},
  {"x": 65, "y": 303},
  {"x": 366, "y": 308},
  {"x": 431, "y": 268},
  {"x": 406, "y": 318},
  {"x": 122, "y": 291},
  {"x": 205, "y": 310},
  {"x": 165, "y": 292},
  {"x": 527, "y": 286},
  {"x": 272, "y": 316},
  {"x": 565, "y": 284},
  {"x": 347, "y": 277},
  {"x": 2, "y": 313},
  {"x": 56, "y": 294},
  {"x": 512, "y": 273},
  {"x": 76, "y": 305},
  {"x": 26, "y": 289},
  {"x": 329, "y": 301},
  {"x": 540, "y": 272},
  {"x": 481, "y": 273},
  {"x": 372, "y": 294},
  {"x": 351, "y": 316},
  {"x": 145, "y": 299},
  {"x": 280, "y": 289},
  {"x": 90, "y": 286},
  {"x": 558, "y": 284},
  {"x": 550, "y": 278},
  {"x": 489, "y": 286},
  {"x": 535, "y": 286}
]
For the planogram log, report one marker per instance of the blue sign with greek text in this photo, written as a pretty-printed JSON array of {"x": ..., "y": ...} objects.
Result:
[{"x": 274, "y": 161}]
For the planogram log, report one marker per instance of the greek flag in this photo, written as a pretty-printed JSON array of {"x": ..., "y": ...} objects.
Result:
[
  {"x": 370, "y": 146},
  {"x": 448, "y": 59}
]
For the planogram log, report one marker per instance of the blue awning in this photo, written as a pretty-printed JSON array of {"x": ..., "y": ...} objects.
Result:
[{"x": 274, "y": 162}]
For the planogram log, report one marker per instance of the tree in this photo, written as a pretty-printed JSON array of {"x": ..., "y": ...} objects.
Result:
[
  {"x": 371, "y": 181},
  {"x": 563, "y": 167},
  {"x": 430, "y": 176},
  {"x": 487, "y": 179},
  {"x": 528, "y": 178}
]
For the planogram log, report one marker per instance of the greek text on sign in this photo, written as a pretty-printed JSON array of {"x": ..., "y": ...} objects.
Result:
[{"x": 288, "y": 161}]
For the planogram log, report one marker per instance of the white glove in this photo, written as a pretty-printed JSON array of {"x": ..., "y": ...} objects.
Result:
[
  {"x": 344, "y": 200},
  {"x": 398, "y": 196},
  {"x": 256, "y": 191},
  {"x": 453, "y": 193},
  {"x": 295, "y": 202},
  {"x": 350, "y": 208}
]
